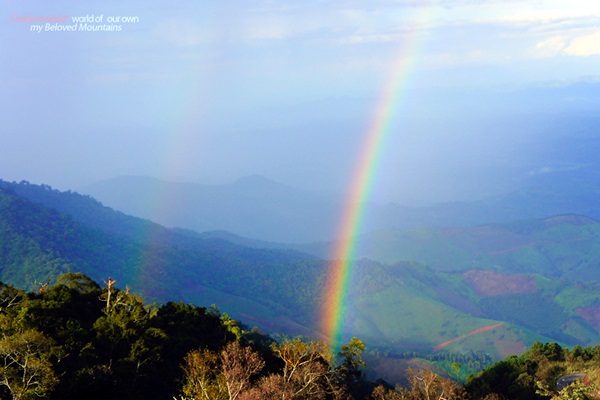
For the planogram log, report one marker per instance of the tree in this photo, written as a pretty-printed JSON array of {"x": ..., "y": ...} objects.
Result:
[
  {"x": 188, "y": 328},
  {"x": 79, "y": 282},
  {"x": 25, "y": 367},
  {"x": 383, "y": 393},
  {"x": 306, "y": 368},
  {"x": 271, "y": 387},
  {"x": 10, "y": 297},
  {"x": 238, "y": 365},
  {"x": 427, "y": 385},
  {"x": 128, "y": 346},
  {"x": 202, "y": 376},
  {"x": 349, "y": 373}
]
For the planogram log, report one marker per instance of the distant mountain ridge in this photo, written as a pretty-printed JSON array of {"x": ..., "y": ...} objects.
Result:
[
  {"x": 258, "y": 208},
  {"x": 252, "y": 206}
]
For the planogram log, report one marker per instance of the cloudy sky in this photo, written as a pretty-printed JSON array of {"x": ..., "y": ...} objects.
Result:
[{"x": 208, "y": 91}]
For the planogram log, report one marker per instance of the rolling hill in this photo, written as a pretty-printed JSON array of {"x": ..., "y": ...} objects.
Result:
[
  {"x": 562, "y": 246},
  {"x": 394, "y": 307}
]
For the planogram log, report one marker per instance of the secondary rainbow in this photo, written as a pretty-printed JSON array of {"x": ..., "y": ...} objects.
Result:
[{"x": 341, "y": 268}]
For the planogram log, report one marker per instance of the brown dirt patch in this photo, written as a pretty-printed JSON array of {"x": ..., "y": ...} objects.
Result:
[
  {"x": 591, "y": 315},
  {"x": 489, "y": 283}
]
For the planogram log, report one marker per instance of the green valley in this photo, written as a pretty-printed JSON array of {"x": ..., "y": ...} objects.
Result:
[{"x": 430, "y": 303}]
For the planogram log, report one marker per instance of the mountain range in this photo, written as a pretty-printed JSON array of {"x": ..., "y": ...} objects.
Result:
[
  {"x": 484, "y": 289},
  {"x": 259, "y": 208}
]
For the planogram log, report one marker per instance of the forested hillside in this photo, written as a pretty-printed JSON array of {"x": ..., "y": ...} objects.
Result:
[
  {"x": 161, "y": 264},
  {"x": 399, "y": 309}
]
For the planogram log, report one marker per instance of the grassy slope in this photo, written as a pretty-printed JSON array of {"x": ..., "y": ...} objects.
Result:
[{"x": 410, "y": 313}]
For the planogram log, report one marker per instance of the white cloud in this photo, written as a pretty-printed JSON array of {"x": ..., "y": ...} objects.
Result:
[
  {"x": 552, "y": 46},
  {"x": 584, "y": 46},
  {"x": 570, "y": 44}
]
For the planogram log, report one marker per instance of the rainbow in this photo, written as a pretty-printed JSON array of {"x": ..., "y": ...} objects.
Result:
[{"x": 341, "y": 268}]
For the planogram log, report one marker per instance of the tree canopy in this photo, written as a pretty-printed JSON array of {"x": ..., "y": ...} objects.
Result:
[{"x": 75, "y": 339}]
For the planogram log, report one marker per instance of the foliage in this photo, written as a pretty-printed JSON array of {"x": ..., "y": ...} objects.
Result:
[
  {"x": 423, "y": 385},
  {"x": 306, "y": 367},
  {"x": 76, "y": 340},
  {"x": 577, "y": 391},
  {"x": 202, "y": 377},
  {"x": 534, "y": 374},
  {"x": 350, "y": 370},
  {"x": 69, "y": 341},
  {"x": 25, "y": 366}
]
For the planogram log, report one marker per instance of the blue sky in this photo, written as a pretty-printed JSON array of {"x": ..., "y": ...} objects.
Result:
[{"x": 208, "y": 91}]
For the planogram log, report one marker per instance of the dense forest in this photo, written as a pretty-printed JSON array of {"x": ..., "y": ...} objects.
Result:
[{"x": 73, "y": 339}]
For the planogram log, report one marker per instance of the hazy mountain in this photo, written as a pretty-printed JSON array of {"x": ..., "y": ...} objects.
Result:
[
  {"x": 561, "y": 176},
  {"x": 398, "y": 307},
  {"x": 253, "y": 206}
]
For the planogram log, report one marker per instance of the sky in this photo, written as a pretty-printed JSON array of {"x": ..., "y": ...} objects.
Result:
[{"x": 209, "y": 91}]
